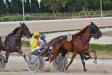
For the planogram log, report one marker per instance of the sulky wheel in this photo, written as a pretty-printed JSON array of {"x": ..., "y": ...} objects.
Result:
[
  {"x": 42, "y": 63},
  {"x": 59, "y": 63},
  {"x": 33, "y": 63},
  {"x": 2, "y": 63}
]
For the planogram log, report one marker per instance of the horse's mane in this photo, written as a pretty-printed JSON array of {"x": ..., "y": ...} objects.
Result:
[
  {"x": 82, "y": 31},
  {"x": 14, "y": 31}
]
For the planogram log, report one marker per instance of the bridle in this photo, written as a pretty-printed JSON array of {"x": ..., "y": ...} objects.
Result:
[{"x": 24, "y": 31}]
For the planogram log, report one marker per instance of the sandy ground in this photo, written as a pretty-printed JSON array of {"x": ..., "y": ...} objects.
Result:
[{"x": 19, "y": 68}]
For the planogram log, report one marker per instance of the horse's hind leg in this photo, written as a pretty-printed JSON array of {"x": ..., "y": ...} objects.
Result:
[
  {"x": 23, "y": 55},
  {"x": 63, "y": 54},
  {"x": 83, "y": 62}
]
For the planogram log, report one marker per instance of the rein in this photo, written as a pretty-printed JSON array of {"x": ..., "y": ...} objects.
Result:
[{"x": 87, "y": 34}]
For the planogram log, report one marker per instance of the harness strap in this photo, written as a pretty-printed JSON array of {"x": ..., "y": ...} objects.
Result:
[
  {"x": 86, "y": 44},
  {"x": 73, "y": 39}
]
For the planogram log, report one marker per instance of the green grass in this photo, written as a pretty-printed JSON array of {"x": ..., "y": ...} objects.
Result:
[
  {"x": 101, "y": 47},
  {"x": 50, "y": 16},
  {"x": 105, "y": 27}
]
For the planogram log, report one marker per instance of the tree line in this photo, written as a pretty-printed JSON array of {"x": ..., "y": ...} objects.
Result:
[{"x": 52, "y": 6}]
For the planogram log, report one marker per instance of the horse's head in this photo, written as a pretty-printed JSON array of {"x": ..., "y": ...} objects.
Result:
[
  {"x": 95, "y": 31},
  {"x": 25, "y": 30}
]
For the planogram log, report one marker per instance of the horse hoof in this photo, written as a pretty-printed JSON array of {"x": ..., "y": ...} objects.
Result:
[
  {"x": 25, "y": 60},
  {"x": 47, "y": 59},
  {"x": 95, "y": 62},
  {"x": 87, "y": 58},
  {"x": 6, "y": 61},
  {"x": 85, "y": 70},
  {"x": 65, "y": 70}
]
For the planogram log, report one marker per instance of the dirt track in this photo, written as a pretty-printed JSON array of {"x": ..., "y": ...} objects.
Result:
[{"x": 19, "y": 68}]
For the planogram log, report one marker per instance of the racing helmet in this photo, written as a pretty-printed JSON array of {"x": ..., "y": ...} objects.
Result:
[
  {"x": 36, "y": 34},
  {"x": 42, "y": 36}
]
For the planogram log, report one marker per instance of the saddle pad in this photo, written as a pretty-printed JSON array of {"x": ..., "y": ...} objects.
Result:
[
  {"x": 3, "y": 38},
  {"x": 69, "y": 37}
]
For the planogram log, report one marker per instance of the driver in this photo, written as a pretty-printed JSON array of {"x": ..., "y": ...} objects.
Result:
[
  {"x": 44, "y": 42},
  {"x": 43, "y": 39},
  {"x": 35, "y": 42}
]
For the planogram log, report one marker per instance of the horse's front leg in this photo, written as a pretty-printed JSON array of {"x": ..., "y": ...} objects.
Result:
[
  {"x": 73, "y": 56},
  {"x": 91, "y": 50},
  {"x": 23, "y": 55},
  {"x": 83, "y": 62},
  {"x": 7, "y": 56}
]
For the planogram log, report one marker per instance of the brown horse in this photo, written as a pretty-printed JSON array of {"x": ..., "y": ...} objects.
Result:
[
  {"x": 13, "y": 41},
  {"x": 80, "y": 43}
]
